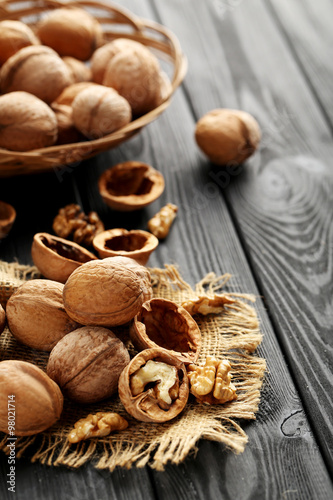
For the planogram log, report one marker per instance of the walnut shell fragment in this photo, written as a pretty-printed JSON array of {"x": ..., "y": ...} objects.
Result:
[
  {"x": 163, "y": 323},
  {"x": 136, "y": 244},
  {"x": 56, "y": 258},
  {"x": 148, "y": 405},
  {"x": 87, "y": 363},
  {"x": 130, "y": 185},
  {"x": 36, "y": 315},
  {"x": 35, "y": 398},
  {"x": 227, "y": 135},
  {"x": 107, "y": 292},
  {"x": 2, "y": 319},
  {"x": 7, "y": 218}
]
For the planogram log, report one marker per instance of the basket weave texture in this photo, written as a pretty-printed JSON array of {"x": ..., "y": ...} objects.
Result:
[{"x": 116, "y": 22}]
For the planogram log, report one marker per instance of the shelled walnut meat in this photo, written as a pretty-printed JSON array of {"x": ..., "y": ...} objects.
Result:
[
  {"x": 163, "y": 323},
  {"x": 26, "y": 122},
  {"x": 87, "y": 363},
  {"x": 161, "y": 223},
  {"x": 36, "y": 315},
  {"x": 98, "y": 425},
  {"x": 56, "y": 258},
  {"x": 36, "y": 400},
  {"x": 154, "y": 386},
  {"x": 72, "y": 222},
  {"x": 107, "y": 292}
]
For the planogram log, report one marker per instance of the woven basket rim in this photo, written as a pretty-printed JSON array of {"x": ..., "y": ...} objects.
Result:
[{"x": 160, "y": 39}]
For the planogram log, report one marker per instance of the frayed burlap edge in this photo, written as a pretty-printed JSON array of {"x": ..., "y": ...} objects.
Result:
[{"x": 234, "y": 334}]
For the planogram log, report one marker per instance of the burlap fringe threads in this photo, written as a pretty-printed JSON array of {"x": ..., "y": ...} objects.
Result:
[{"x": 235, "y": 335}]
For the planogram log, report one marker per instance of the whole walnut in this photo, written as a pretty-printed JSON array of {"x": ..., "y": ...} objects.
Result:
[
  {"x": 79, "y": 71},
  {"x": 67, "y": 132},
  {"x": 135, "y": 73},
  {"x": 87, "y": 364},
  {"x": 37, "y": 70},
  {"x": 68, "y": 95},
  {"x": 227, "y": 135},
  {"x": 103, "y": 55},
  {"x": 36, "y": 315},
  {"x": 28, "y": 393},
  {"x": 14, "y": 35},
  {"x": 71, "y": 32},
  {"x": 26, "y": 122},
  {"x": 2, "y": 318},
  {"x": 98, "y": 111},
  {"x": 107, "y": 292}
]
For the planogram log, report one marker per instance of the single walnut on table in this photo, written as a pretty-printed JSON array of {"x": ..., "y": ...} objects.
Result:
[
  {"x": 71, "y": 220},
  {"x": 99, "y": 425},
  {"x": 211, "y": 383}
]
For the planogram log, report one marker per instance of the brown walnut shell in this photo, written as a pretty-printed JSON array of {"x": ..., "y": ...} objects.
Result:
[
  {"x": 7, "y": 218},
  {"x": 107, "y": 292},
  {"x": 163, "y": 323},
  {"x": 136, "y": 244},
  {"x": 36, "y": 315},
  {"x": 144, "y": 406},
  {"x": 87, "y": 364},
  {"x": 71, "y": 32},
  {"x": 79, "y": 71},
  {"x": 56, "y": 258},
  {"x": 37, "y": 400},
  {"x": 68, "y": 95},
  {"x": 37, "y": 70},
  {"x": 130, "y": 185},
  {"x": 2, "y": 319},
  {"x": 14, "y": 35},
  {"x": 67, "y": 132}
]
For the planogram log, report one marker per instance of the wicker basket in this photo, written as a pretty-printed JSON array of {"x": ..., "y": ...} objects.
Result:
[{"x": 115, "y": 22}]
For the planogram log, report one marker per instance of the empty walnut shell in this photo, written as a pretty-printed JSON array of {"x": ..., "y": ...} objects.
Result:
[
  {"x": 87, "y": 364},
  {"x": 56, "y": 258},
  {"x": 130, "y": 185},
  {"x": 144, "y": 406},
  {"x": 7, "y": 218},
  {"x": 35, "y": 398},
  {"x": 107, "y": 292},
  {"x": 162, "y": 323},
  {"x": 2, "y": 319},
  {"x": 136, "y": 244}
]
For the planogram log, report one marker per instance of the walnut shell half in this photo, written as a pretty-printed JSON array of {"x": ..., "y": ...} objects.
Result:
[
  {"x": 7, "y": 218},
  {"x": 130, "y": 185},
  {"x": 56, "y": 258},
  {"x": 163, "y": 323},
  {"x": 136, "y": 244},
  {"x": 146, "y": 405},
  {"x": 35, "y": 398}
]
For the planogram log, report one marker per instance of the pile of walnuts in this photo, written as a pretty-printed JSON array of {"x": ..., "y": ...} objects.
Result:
[{"x": 61, "y": 82}]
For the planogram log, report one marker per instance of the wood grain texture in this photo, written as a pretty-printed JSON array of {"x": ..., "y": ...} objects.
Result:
[
  {"x": 282, "y": 459},
  {"x": 281, "y": 202}
]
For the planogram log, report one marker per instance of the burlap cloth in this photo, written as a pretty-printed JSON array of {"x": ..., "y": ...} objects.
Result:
[{"x": 234, "y": 334}]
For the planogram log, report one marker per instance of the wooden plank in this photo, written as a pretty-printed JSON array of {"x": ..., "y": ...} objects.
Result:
[
  {"x": 308, "y": 29},
  {"x": 281, "y": 201}
]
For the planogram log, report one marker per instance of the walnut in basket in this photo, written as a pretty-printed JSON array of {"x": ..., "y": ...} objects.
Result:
[{"x": 14, "y": 35}]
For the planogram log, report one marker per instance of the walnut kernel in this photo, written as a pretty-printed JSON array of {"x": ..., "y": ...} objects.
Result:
[
  {"x": 71, "y": 221},
  {"x": 161, "y": 223},
  {"x": 98, "y": 425}
]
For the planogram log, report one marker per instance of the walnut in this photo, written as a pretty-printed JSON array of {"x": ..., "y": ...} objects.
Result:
[
  {"x": 154, "y": 386},
  {"x": 211, "y": 383},
  {"x": 2, "y": 319},
  {"x": 71, "y": 221},
  {"x": 7, "y": 217},
  {"x": 130, "y": 185},
  {"x": 87, "y": 362},
  {"x": 36, "y": 69},
  {"x": 67, "y": 133},
  {"x": 207, "y": 305},
  {"x": 36, "y": 315},
  {"x": 134, "y": 72},
  {"x": 26, "y": 122},
  {"x": 163, "y": 323},
  {"x": 37, "y": 400},
  {"x": 68, "y": 95},
  {"x": 160, "y": 224},
  {"x": 99, "y": 425},
  {"x": 103, "y": 55},
  {"x": 107, "y": 292},
  {"x": 71, "y": 32},
  {"x": 79, "y": 71},
  {"x": 14, "y": 35},
  {"x": 136, "y": 244},
  {"x": 227, "y": 135},
  {"x": 56, "y": 258},
  {"x": 98, "y": 111}
]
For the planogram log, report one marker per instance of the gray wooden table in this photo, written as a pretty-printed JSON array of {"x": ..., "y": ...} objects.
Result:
[{"x": 269, "y": 224}]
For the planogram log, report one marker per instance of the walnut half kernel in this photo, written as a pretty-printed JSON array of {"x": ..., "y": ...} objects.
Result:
[
  {"x": 100, "y": 424},
  {"x": 211, "y": 383}
]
